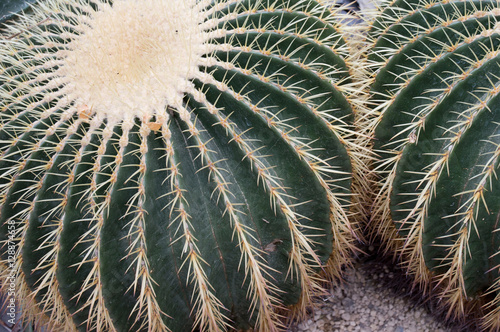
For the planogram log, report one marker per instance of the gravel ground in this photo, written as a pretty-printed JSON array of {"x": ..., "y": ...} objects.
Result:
[{"x": 373, "y": 298}]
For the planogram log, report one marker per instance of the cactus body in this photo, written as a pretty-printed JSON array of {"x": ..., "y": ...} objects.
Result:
[
  {"x": 169, "y": 165},
  {"x": 436, "y": 79}
]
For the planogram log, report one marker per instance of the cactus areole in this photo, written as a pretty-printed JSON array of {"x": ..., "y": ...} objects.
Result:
[{"x": 169, "y": 165}]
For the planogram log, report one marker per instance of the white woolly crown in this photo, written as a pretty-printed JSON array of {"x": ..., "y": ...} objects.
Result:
[
  {"x": 101, "y": 75},
  {"x": 135, "y": 58}
]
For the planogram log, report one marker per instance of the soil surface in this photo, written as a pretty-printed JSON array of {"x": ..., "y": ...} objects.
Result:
[{"x": 376, "y": 296}]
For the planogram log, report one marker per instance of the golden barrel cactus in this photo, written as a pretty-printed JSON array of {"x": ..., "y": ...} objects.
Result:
[
  {"x": 169, "y": 165},
  {"x": 436, "y": 123}
]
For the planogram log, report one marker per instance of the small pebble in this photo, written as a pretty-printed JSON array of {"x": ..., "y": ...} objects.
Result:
[
  {"x": 346, "y": 316},
  {"x": 347, "y": 302}
]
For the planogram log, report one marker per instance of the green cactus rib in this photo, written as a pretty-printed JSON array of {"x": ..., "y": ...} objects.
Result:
[
  {"x": 435, "y": 70},
  {"x": 149, "y": 211}
]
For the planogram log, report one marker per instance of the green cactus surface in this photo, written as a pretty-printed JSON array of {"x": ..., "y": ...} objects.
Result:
[
  {"x": 9, "y": 8},
  {"x": 169, "y": 165},
  {"x": 435, "y": 90}
]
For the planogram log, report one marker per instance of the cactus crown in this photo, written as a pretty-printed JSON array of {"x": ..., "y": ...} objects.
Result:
[{"x": 121, "y": 65}]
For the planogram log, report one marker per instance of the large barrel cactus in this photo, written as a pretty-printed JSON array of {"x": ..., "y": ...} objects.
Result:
[
  {"x": 435, "y": 90},
  {"x": 169, "y": 165}
]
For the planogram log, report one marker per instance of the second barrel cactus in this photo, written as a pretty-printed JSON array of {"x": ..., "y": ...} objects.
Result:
[{"x": 435, "y": 89}]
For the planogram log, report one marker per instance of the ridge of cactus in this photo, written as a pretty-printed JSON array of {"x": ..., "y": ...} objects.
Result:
[
  {"x": 435, "y": 83},
  {"x": 175, "y": 165}
]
